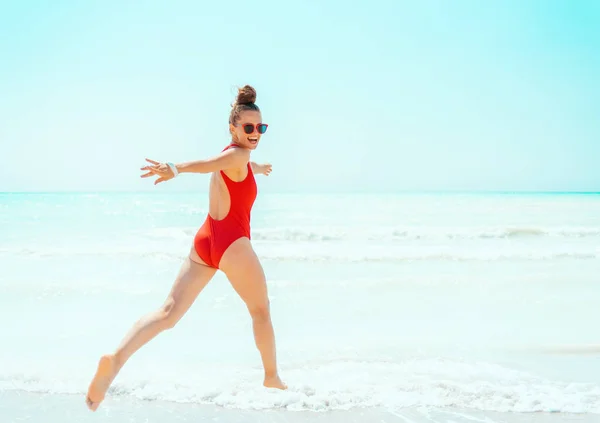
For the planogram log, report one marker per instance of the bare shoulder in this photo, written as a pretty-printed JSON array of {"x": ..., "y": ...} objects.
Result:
[
  {"x": 240, "y": 152},
  {"x": 239, "y": 155},
  {"x": 235, "y": 160}
]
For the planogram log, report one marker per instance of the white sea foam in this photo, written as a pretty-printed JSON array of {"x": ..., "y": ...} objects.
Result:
[
  {"x": 376, "y": 233},
  {"x": 304, "y": 253},
  {"x": 344, "y": 385}
]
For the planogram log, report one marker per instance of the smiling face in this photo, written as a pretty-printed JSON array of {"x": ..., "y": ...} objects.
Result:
[{"x": 248, "y": 129}]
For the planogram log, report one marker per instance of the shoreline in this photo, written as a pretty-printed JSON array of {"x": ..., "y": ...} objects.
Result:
[{"x": 49, "y": 408}]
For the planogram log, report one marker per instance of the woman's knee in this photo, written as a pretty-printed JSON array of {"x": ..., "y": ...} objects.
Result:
[
  {"x": 168, "y": 317},
  {"x": 260, "y": 311}
]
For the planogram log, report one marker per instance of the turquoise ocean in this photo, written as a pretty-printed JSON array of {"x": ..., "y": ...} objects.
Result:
[{"x": 386, "y": 307}]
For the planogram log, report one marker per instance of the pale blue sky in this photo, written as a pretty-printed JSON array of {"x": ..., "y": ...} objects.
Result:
[{"x": 375, "y": 96}]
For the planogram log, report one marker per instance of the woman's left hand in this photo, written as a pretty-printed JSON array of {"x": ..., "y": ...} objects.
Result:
[
  {"x": 162, "y": 170},
  {"x": 266, "y": 168}
]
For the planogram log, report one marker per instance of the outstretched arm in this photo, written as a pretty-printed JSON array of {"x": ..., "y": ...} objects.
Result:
[
  {"x": 232, "y": 158},
  {"x": 229, "y": 159},
  {"x": 261, "y": 168}
]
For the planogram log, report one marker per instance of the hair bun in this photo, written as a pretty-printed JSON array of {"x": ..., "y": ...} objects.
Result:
[{"x": 246, "y": 95}]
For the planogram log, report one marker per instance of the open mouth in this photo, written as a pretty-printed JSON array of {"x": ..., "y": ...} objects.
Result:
[{"x": 253, "y": 140}]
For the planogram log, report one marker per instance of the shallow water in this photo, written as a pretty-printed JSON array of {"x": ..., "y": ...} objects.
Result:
[{"x": 385, "y": 302}]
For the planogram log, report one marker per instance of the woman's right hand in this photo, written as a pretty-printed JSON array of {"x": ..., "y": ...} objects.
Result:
[{"x": 162, "y": 170}]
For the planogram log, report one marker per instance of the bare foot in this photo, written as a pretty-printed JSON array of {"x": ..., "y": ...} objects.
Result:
[
  {"x": 274, "y": 382},
  {"x": 106, "y": 372}
]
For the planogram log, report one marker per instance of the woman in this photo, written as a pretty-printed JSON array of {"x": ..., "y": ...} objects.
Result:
[{"x": 223, "y": 242}]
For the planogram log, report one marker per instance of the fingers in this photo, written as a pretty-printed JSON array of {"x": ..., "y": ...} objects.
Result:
[
  {"x": 151, "y": 170},
  {"x": 154, "y": 170}
]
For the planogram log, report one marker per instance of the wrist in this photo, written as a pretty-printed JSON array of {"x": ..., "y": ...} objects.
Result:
[{"x": 173, "y": 168}]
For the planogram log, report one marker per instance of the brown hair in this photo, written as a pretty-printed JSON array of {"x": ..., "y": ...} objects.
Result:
[{"x": 244, "y": 101}]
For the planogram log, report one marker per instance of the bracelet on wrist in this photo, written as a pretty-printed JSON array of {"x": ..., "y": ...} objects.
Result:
[{"x": 173, "y": 169}]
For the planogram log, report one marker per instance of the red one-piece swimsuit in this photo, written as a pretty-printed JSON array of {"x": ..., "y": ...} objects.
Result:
[{"x": 215, "y": 236}]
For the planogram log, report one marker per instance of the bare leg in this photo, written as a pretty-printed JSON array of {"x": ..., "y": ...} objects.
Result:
[
  {"x": 192, "y": 278},
  {"x": 244, "y": 271}
]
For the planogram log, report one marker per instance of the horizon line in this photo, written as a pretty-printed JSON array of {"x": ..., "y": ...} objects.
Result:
[{"x": 416, "y": 191}]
